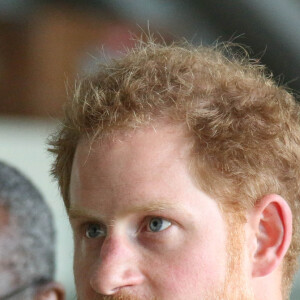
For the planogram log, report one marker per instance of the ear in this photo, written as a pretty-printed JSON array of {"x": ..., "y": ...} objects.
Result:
[
  {"x": 50, "y": 291},
  {"x": 271, "y": 222}
]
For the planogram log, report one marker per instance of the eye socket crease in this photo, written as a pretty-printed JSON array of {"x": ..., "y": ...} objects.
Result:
[
  {"x": 158, "y": 205},
  {"x": 171, "y": 212},
  {"x": 100, "y": 231},
  {"x": 160, "y": 223}
]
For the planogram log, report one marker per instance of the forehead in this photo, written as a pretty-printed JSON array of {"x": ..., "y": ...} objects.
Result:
[
  {"x": 151, "y": 145},
  {"x": 136, "y": 162},
  {"x": 163, "y": 135}
]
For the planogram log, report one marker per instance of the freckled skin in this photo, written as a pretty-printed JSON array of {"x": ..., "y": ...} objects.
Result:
[{"x": 187, "y": 260}]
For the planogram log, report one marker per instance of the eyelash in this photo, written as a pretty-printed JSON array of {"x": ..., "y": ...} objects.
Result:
[{"x": 142, "y": 228}]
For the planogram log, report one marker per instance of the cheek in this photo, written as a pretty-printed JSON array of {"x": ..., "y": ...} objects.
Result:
[
  {"x": 199, "y": 265},
  {"x": 79, "y": 267},
  {"x": 82, "y": 264}
]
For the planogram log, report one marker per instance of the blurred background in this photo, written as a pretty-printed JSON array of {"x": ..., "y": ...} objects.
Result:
[{"x": 46, "y": 45}]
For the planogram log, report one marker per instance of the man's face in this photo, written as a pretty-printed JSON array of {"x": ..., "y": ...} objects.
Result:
[{"x": 141, "y": 226}]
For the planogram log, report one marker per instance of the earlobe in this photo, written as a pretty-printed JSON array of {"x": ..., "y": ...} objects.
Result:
[
  {"x": 51, "y": 291},
  {"x": 271, "y": 220}
]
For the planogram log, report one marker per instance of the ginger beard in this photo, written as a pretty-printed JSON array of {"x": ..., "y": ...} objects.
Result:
[{"x": 235, "y": 285}]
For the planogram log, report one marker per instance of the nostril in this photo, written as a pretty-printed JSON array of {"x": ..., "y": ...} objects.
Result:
[{"x": 116, "y": 290}]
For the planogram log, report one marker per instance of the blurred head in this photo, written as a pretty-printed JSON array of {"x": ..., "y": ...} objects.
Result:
[
  {"x": 179, "y": 168},
  {"x": 26, "y": 240}
]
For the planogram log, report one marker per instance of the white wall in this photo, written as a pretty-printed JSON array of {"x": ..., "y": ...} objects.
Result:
[{"x": 23, "y": 145}]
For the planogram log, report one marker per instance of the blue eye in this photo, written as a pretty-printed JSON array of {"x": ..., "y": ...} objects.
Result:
[
  {"x": 158, "y": 224},
  {"x": 94, "y": 231}
]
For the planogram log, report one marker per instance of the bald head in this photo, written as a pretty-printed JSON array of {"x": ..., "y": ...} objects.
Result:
[{"x": 27, "y": 237}]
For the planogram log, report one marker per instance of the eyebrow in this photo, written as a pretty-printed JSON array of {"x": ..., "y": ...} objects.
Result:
[
  {"x": 77, "y": 213},
  {"x": 82, "y": 212}
]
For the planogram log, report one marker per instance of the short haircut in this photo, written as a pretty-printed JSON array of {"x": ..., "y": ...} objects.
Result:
[
  {"x": 244, "y": 126},
  {"x": 29, "y": 235}
]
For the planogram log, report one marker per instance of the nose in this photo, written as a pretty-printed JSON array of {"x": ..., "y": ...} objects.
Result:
[{"x": 116, "y": 268}]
